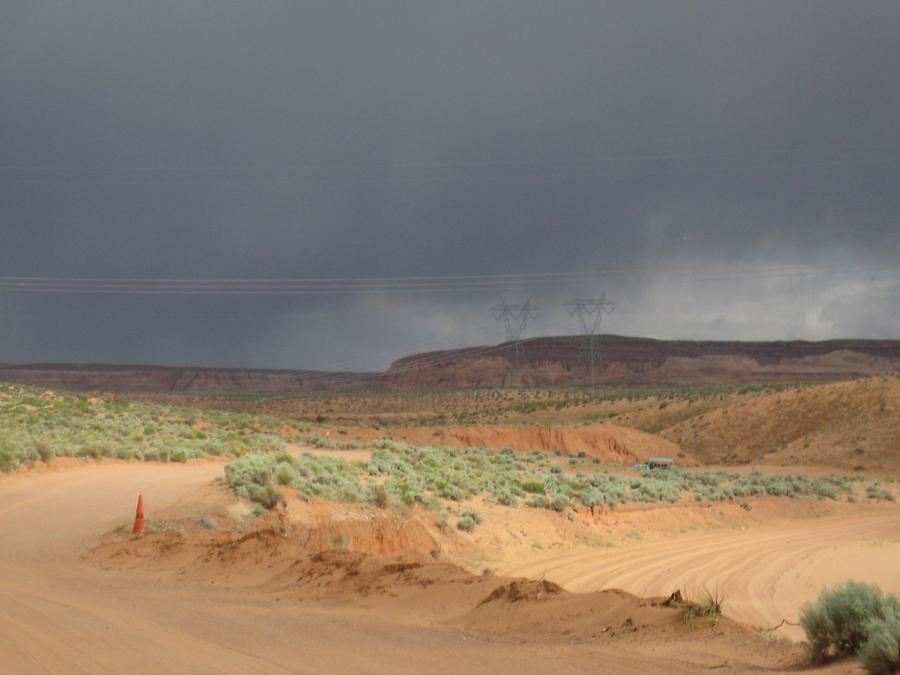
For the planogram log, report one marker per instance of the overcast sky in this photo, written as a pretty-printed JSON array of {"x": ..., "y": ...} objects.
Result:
[{"x": 674, "y": 143}]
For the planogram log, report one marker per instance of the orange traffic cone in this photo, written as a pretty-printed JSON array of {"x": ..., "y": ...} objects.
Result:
[{"x": 139, "y": 516}]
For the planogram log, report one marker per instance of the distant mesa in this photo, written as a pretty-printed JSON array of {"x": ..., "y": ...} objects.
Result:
[
  {"x": 544, "y": 361},
  {"x": 565, "y": 361},
  {"x": 177, "y": 379}
]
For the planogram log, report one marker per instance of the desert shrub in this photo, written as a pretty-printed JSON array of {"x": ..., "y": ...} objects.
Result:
[
  {"x": 709, "y": 606},
  {"x": 533, "y": 487},
  {"x": 474, "y": 515},
  {"x": 379, "y": 496},
  {"x": 839, "y": 621},
  {"x": 559, "y": 502},
  {"x": 283, "y": 473},
  {"x": 43, "y": 450},
  {"x": 447, "y": 490},
  {"x": 880, "y": 653},
  {"x": 410, "y": 492},
  {"x": 505, "y": 497},
  {"x": 8, "y": 462},
  {"x": 466, "y": 523},
  {"x": 96, "y": 451},
  {"x": 254, "y": 470},
  {"x": 879, "y": 494},
  {"x": 538, "y": 502},
  {"x": 330, "y": 444},
  {"x": 267, "y": 496}
]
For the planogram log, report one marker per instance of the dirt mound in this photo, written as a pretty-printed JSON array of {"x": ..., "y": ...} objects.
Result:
[
  {"x": 308, "y": 528},
  {"x": 527, "y": 590},
  {"x": 277, "y": 563},
  {"x": 851, "y": 425},
  {"x": 542, "y": 608},
  {"x": 269, "y": 559},
  {"x": 322, "y": 526},
  {"x": 607, "y": 442}
]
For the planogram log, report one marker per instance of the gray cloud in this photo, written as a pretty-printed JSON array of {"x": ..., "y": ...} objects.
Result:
[{"x": 248, "y": 140}]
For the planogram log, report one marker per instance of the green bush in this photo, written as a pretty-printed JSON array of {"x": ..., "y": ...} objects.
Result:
[
  {"x": 43, "y": 450},
  {"x": 533, "y": 487},
  {"x": 466, "y": 523},
  {"x": 266, "y": 495},
  {"x": 879, "y": 494},
  {"x": 474, "y": 516},
  {"x": 854, "y": 618},
  {"x": 8, "y": 462},
  {"x": 505, "y": 497},
  {"x": 880, "y": 653}
]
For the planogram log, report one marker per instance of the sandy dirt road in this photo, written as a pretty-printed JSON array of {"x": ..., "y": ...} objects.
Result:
[
  {"x": 765, "y": 574},
  {"x": 59, "y": 613}
]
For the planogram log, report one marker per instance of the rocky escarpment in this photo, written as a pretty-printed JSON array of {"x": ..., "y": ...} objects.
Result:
[{"x": 629, "y": 360}]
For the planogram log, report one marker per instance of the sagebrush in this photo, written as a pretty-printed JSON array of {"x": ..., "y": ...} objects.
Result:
[{"x": 854, "y": 618}]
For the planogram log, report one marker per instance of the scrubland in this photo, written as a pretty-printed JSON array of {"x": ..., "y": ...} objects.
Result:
[
  {"x": 405, "y": 475},
  {"x": 777, "y": 492},
  {"x": 41, "y": 425}
]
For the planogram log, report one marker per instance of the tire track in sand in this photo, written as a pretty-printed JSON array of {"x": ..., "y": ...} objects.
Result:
[{"x": 764, "y": 574}]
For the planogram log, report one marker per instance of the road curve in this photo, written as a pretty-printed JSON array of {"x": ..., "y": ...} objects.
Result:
[
  {"x": 765, "y": 574},
  {"x": 59, "y": 613}
]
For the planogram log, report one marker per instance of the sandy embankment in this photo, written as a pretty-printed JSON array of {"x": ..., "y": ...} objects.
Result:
[{"x": 62, "y": 612}]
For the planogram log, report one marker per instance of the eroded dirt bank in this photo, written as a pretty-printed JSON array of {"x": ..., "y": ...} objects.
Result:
[{"x": 607, "y": 442}]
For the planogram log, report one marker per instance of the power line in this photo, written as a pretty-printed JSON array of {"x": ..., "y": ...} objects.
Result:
[
  {"x": 462, "y": 178},
  {"x": 590, "y": 312},
  {"x": 635, "y": 157},
  {"x": 513, "y": 276},
  {"x": 515, "y": 320},
  {"x": 336, "y": 286}
]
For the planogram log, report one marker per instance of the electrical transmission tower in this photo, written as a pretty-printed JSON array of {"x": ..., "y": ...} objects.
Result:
[
  {"x": 590, "y": 311},
  {"x": 515, "y": 319}
]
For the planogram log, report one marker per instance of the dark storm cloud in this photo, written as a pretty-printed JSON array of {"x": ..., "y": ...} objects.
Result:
[{"x": 362, "y": 139}]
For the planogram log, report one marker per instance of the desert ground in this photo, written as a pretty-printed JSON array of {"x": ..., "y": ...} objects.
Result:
[{"x": 406, "y": 542}]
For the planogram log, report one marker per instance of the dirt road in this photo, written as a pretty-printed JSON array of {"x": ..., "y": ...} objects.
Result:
[
  {"x": 59, "y": 613},
  {"x": 764, "y": 574}
]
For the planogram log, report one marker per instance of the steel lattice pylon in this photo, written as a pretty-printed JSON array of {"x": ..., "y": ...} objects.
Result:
[
  {"x": 515, "y": 319},
  {"x": 590, "y": 312}
]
